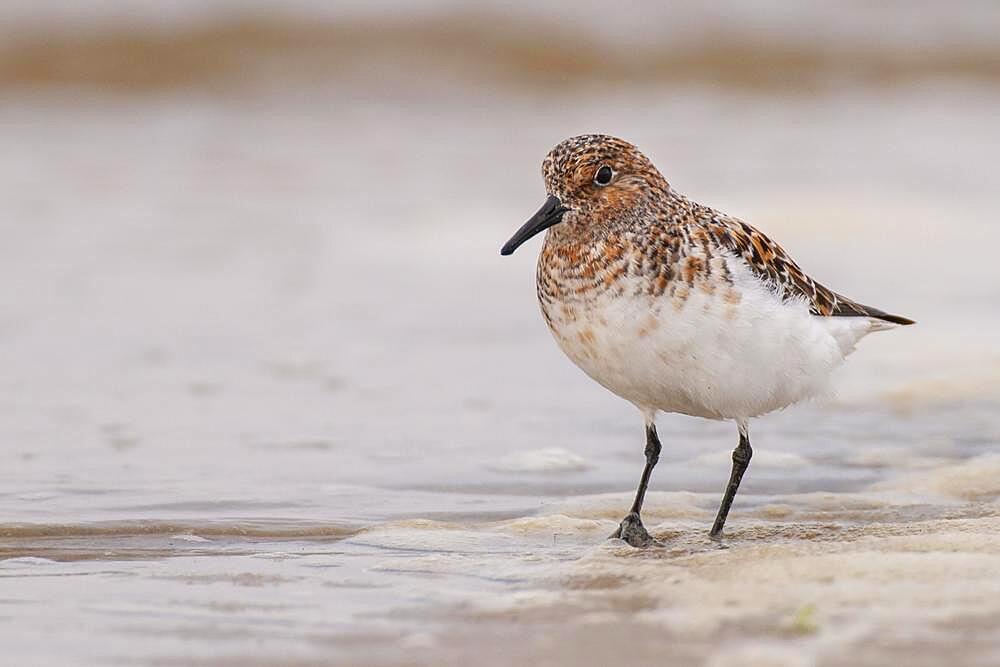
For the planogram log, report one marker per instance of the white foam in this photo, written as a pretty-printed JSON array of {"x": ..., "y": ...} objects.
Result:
[
  {"x": 25, "y": 561},
  {"x": 190, "y": 538},
  {"x": 546, "y": 460},
  {"x": 976, "y": 479}
]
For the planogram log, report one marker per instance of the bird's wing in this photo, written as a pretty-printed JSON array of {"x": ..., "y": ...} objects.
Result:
[{"x": 771, "y": 263}]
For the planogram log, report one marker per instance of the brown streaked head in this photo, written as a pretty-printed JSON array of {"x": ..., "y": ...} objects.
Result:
[{"x": 591, "y": 177}]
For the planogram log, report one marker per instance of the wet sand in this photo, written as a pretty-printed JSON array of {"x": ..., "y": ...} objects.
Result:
[
  {"x": 821, "y": 578},
  {"x": 270, "y": 396}
]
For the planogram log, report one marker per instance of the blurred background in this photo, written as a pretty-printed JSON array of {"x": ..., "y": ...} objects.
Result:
[{"x": 270, "y": 393}]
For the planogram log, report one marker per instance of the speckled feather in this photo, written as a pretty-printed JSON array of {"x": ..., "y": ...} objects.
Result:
[
  {"x": 675, "y": 306},
  {"x": 663, "y": 234}
]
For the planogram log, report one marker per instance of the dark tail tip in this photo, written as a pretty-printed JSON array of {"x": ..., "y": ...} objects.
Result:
[
  {"x": 895, "y": 319},
  {"x": 878, "y": 314}
]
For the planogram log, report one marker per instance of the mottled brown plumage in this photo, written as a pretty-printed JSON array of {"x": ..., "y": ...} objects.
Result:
[
  {"x": 658, "y": 232},
  {"x": 771, "y": 263}
]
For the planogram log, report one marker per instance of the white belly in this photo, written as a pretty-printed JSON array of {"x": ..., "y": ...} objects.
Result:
[{"x": 738, "y": 352}]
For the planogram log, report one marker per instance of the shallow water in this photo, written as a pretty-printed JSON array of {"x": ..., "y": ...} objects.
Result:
[{"x": 270, "y": 396}]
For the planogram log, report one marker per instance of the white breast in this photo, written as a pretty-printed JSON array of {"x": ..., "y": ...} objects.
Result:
[{"x": 735, "y": 352}]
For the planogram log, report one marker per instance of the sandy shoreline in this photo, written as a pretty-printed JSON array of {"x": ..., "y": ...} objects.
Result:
[{"x": 807, "y": 579}]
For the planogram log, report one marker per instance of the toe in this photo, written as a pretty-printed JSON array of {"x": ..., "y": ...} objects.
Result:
[{"x": 633, "y": 532}]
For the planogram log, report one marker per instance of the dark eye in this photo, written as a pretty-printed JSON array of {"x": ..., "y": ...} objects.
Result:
[{"x": 604, "y": 175}]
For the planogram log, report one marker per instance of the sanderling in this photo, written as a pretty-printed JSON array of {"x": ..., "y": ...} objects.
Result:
[{"x": 676, "y": 307}]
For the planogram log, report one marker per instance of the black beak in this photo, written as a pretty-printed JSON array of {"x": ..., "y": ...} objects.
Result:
[{"x": 549, "y": 214}]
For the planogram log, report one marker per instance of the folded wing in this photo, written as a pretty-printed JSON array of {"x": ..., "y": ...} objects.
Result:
[{"x": 771, "y": 263}]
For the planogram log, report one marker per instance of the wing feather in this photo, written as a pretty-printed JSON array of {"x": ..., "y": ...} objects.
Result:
[{"x": 771, "y": 263}]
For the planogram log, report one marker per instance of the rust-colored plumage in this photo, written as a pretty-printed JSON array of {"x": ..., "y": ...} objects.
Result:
[
  {"x": 638, "y": 224},
  {"x": 771, "y": 263}
]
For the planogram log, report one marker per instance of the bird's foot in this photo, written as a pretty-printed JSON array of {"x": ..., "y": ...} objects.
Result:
[{"x": 632, "y": 531}]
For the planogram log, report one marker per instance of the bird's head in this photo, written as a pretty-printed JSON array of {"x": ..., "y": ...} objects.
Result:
[{"x": 591, "y": 178}]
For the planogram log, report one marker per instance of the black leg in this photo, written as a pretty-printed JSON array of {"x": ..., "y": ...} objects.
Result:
[
  {"x": 741, "y": 459},
  {"x": 631, "y": 529}
]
